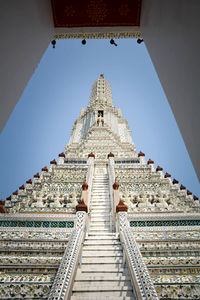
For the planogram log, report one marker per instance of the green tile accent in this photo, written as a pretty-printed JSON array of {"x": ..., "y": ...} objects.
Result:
[
  {"x": 165, "y": 223},
  {"x": 39, "y": 224}
]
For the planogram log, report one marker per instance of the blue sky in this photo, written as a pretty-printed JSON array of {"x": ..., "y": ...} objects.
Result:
[{"x": 40, "y": 125}]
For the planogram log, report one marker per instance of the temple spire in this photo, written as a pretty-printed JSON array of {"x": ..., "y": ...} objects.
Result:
[{"x": 101, "y": 92}]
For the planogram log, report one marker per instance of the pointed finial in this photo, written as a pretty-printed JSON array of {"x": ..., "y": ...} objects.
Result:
[
  {"x": 110, "y": 155},
  {"x": 91, "y": 155},
  {"x": 159, "y": 169},
  {"x": 85, "y": 186},
  {"x": 167, "y": 175},
  {"x": 141, "y": 154},
  {"x": 175, "y": 181},
  {"x": 150, "y": 162},
  {"x": 115, "y": 185}
]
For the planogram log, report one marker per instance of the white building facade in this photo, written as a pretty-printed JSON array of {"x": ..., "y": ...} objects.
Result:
[{"x": 100, "y": 222}]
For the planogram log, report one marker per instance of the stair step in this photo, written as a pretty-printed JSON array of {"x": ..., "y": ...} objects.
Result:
[
  {"x": 103, "y": 193},
  {"x": 103, "y": 234},
  {"x": 100, "y": 217},
  {"x": 101, "y": 242},
  {"x": 100, "y": 223},
  {"x": 96, "y": 210},
  {"x": 101, "y": 287},
  {"x": 100, "y": 202},
  {"x": 100, "y": 229},
  {"x": 102, "y": 260},
  {"x": 94, "y": 247},
  {"x": 102, "y": 276},
  {"x": 100, "y": 296},
  {"x": 99, "y": 187},
  {"x": 115, "y": 268},
  {"x": 99, "y": 196},
  {"x": 102, "y": 238},
  {"x": 100, "y": 191},
  {"x": 101, "y": 253},
  {"x": 106, "y": 214},
  {"x": 100, "y": 207}
]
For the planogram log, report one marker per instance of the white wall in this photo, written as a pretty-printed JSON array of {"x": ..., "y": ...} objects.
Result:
[
  {"x": 171, "y": 31},
  {"x": 26, "y": 28}
]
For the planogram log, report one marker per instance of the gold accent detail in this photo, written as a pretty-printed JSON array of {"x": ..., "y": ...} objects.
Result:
[{"x": 98, "y": 35}]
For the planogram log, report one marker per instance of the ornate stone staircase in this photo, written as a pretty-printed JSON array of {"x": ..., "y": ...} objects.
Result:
[{"x": 103, "y": 274}]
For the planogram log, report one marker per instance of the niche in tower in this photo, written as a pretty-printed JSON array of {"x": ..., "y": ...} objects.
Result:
[{"x": 100, "y": 113}]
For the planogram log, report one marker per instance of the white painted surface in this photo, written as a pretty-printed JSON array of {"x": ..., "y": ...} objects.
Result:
[
  {"x": 26, "y": 31},
  {"x": 171, "y": 33}
]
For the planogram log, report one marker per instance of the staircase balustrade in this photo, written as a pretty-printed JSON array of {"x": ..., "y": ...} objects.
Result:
[
  {"x": 140, "y": 278},
  {"x": 89, "y": 179},
  {"x": 62, "y": 285},
  {"x": 111, "y": 176}
]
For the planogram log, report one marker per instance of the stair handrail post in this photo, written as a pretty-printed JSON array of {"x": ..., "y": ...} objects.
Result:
[
  {"x": 89, "y": 177},
  {"x": 111, "y": 174},
  {"x": 142, "y": 282}
]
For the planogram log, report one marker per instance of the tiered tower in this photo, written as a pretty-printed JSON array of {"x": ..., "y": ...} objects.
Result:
[
  {"x": 100, "y": 222},
  {"x": 101, "y": 128}
]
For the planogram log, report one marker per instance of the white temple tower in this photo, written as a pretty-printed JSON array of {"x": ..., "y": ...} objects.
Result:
[
  {"x": 100, "y": 222},
  {"x": 100, "y": 128}
]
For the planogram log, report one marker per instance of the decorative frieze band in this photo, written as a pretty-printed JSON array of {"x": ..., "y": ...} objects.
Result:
[
  {"x": 164, "y": 223},
  {"x": 38, "y": 224}
]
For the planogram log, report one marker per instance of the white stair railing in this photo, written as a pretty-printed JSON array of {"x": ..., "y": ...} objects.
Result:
[
  {"x": 140, "y": 277},
  {"x": 89, "y": 179},
  {"x": 111, "y": 176},
  {"x": 62, "y": 285}
]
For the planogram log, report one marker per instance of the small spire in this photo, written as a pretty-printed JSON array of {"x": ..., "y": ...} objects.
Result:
[
  {"x": 85, "y": 186},
  {"x": 2, "y": 207},
  {"x": 61, "y": 154},
  {"x": 29, "y": 181},
  {"x": 110, "y": 155},
  {"x": 167, "y": 175},
  {"x": 91, "y": 154},
  {"x": 101, "y": 76},
  {"x": 150, "y": 162},
  {"x": 141, "y": 154},
  {"x": 175, "y": 181},
  {"x": 159, "y": 169},
  {"x": 37, "y": 175},
  {"x": 182, "y": 187},
  {"x": 115, "y": 185},
  {"x": 53, "y": 162},
  {"x": 45, "y": 169}
]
